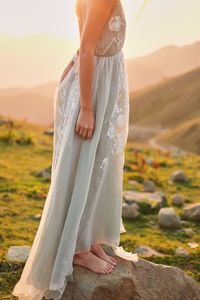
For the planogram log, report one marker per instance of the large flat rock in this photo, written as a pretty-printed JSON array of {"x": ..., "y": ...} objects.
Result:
[
  {"x": 141, "y": 280},
  {"x": 135, "y": 197}
]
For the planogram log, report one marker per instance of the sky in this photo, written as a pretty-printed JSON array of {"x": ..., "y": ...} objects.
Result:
[{"x": 162, "y": 22}]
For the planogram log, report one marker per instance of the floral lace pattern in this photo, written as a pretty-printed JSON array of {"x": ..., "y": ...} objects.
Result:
[
  {"x": 112, "y": 38},
  {"x": 115, "y": 23},
  {"x": 119, "y": 122},
  {"x": 67, "y": 102}
]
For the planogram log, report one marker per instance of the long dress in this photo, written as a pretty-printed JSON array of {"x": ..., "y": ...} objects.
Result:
[{"x": 84, "y": 201}]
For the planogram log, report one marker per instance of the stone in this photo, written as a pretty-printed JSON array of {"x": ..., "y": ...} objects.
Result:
[
  {"x": 18, "y": 253},
  {"x": 170, "y": 182},
  {"x": 141, "y": 280},
  {"x": 193, "y": 245},
  {"x": 192, "y": 211},
  {"x": 184, "y": 223},
  {"x": 45, "y": 173},
  {"x": 168, "y": 218},
  {"x": 149, "y": 161},
  {"x": 49, "y": 132},
  {"x": 130, "y": 211},
  {"x": 135, "y": 197},
  {"x": 186, "y": 231},
  {"x": 149, "y": 186},
  {"x": 179, "y": 176},
  {"x": 38, "y": 216},
  {"x": 177, "y": 200},
  {"x": 147, "y": 251},
  {"x": 181, "y": 252},
  {"x": 133, "y": 182}
]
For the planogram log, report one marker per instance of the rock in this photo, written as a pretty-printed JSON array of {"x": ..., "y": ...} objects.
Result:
[
  {"x": 18, "y": 253},
  {"x": 149, "y": 186},
  {"x": 184, "y": 223},
  {"x": 135, "y": 197},
  {"x": 153, "y": 225},
  {"x": 170, "y": 182},
  {"x": 133, "y": 182},
  {"x": 192, "y": 211},
  {"x": 49, "y": 132},
  {"x": 38, "y": 216},
  {"x": 135, "y": 149},
  {"x": 141, "y": 280},
  {"x": 45, "y": 173},
  {"x": 168, "y": 218},
  {"x": 147, "y": 251},
  {"x": 182, "y": 252},
  {"x": 149, "y": 161},
  {"x": 10, "y": 122},
  {"x": 189, "y": 231},
  {"x": 186, "y": 231},
  {"x": 179, "y": 176},
  {"x": 177, "y": 200},
  {"x": 130, "y": 210},
  {"x": 193, "y": 245}
]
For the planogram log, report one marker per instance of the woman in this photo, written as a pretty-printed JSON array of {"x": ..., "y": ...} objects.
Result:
[{"x": 84, "y": 202}]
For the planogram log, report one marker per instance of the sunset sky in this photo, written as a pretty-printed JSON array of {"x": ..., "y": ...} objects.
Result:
[{"x": 162, "y": 22}]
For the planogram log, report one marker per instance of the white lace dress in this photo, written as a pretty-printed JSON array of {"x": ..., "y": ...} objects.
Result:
[{"x": 84, "y": 201}]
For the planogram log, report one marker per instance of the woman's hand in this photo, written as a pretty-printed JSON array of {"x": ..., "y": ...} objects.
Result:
[{"x": 86, "y": 123}]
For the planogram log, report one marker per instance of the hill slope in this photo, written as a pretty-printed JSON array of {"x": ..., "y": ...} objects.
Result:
[
  {"x": 168, "y": 104},
  {"x": 161, "y": 64},
  {"x": 35, "y": 103},
  {"x": 186, "y": 136}
]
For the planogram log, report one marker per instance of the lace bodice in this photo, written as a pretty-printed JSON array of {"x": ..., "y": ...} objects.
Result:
[{"x": 112, "y": 37}]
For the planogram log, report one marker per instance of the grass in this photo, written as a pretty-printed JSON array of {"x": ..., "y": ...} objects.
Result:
[{"x": 22, "y": 195}]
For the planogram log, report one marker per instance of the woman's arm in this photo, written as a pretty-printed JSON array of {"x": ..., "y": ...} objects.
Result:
[{"x": 97, "y": 15}]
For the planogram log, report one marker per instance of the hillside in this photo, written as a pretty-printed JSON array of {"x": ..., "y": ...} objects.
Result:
[
  {"x": 169, "y": 103},
  {"x": 164, "y": 63},
  {"x": 35, "y": 104},
  {"x": 35, "y": 59},
  {"x": 185, "y": 136}
]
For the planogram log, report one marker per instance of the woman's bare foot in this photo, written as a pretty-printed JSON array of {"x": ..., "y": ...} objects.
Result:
[
  {"x": 98, "y": 250},
  {"x": 92, "y": 262}
]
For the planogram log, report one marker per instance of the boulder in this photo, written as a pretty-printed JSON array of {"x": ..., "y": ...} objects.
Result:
[
  {"x": 18, "y": 253},
  {"x": 134, "y": 182},
  {"x": 186, "y": 231},
  {"x": 147, "y": 251},
  {"x": 135, "y": 197},
  {"x": 168, "y": 218},
  {"x": 37, "y": 217},
  {"x": 177, "y": 200},
  {"x": 179, "y": 176},
  {"x": 149, "y": 186},
  {"x": 192, "y": 211},
  {"x": 130, "y": 211},
  {"x": 49, "y": 131},
  {"x": 182, "y": 252},
  {"x": 140, "y": 280},
  {"x": 45, "y": 173}
]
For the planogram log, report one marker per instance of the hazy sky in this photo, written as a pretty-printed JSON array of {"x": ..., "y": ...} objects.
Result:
[{"x": 162, "y": 22}]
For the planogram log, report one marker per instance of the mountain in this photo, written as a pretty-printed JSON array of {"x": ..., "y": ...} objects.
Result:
[
  {"x": 35, "y": 104},
  {"x": 172, "y": 108},
  {"x": 39, "y": 58},
  {"x": 169, "y": 103},
  {"x": 161, "y": 64},
  {"x": 185, "y": 136}
]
